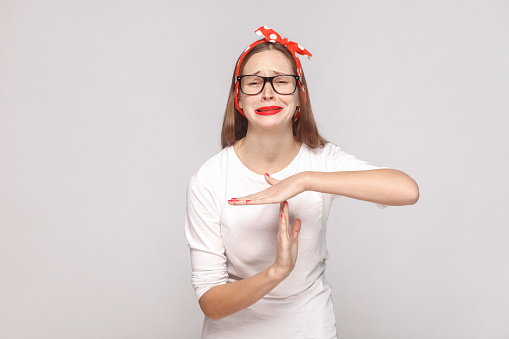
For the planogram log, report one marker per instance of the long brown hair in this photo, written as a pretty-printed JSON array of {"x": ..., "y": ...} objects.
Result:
[{"x": 235, "y": 124}]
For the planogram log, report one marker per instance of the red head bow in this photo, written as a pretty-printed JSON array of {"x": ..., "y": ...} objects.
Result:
[{"x": 270, "y": 35}]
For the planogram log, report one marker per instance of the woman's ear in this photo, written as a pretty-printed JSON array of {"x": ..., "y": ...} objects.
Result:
[{"x": 240, "y": 103}]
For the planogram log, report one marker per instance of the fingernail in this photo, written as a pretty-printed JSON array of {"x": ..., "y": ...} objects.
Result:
[
  {"x": 248, "y": 200},
  {"x": 230, "y": 200},
  {"x": 235, "y": 199},
  {"x": 267, "y": 174},
  {"x": 281, "y": 215}
]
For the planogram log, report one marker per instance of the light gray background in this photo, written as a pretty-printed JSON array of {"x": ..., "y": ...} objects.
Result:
[{"x": 103, "y": 121}]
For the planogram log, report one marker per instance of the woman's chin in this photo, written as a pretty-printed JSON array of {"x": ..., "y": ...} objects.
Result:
[{"x": 272, "y": 121}]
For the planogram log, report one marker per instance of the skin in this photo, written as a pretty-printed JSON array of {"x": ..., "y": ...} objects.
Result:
[{"x": 269, "y": 146}]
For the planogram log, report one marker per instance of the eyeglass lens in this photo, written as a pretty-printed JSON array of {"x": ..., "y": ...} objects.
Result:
[{"x": 254, "y": 84}]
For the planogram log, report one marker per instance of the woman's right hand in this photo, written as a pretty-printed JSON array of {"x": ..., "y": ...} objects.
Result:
[
  {"x": 225, "y": 299},
  {"x": 287, "y": 244}
]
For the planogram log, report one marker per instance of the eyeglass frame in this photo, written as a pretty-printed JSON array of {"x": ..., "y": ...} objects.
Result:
[{"x": 269, "y": 79}]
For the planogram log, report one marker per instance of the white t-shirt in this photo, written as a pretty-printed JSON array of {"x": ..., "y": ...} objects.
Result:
[{"x": 229, "y": 243}]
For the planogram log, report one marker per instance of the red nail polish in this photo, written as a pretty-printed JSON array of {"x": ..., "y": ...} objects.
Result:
[
  {"x": 235, "y": 199},
  {"x": 267, "y": 174},
  {"x": 248, "y": 200},
  {"x": 230, "y": 200},
  {"x": 281, "y": 215}
]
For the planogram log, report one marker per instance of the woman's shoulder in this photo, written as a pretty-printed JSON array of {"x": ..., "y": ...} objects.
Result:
[
  {"x": 331, "y": 157},
  {"x": 216, "y": 161},
  {"x": 322, "y": 150},
  {"x": 213, "y": 169}
]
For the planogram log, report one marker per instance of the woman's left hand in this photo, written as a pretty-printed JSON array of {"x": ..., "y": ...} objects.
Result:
[{"x": 280, "y": 190}]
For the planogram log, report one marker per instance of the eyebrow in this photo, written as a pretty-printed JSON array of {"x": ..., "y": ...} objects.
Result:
[{"x": 275, "y": 72}]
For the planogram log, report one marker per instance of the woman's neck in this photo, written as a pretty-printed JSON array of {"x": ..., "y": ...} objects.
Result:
[{"x": 268, "y": 152}]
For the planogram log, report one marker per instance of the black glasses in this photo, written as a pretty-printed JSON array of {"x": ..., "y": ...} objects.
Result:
[{"x": 282, "y": 84}]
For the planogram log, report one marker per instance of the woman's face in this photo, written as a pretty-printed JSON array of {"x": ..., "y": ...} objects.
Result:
[{"x": 268, "y": 108}]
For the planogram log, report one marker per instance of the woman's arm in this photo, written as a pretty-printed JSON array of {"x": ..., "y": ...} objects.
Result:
[
  {"x": 223, "y": 300},
  {"x": 382, "y": 186}
]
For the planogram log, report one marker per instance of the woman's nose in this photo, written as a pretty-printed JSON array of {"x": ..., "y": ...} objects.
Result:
[{"x": 268, "y": 91}]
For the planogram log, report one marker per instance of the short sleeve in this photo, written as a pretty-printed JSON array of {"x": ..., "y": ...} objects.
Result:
[
  {"x": 338, "y": 160},
  {"x": 203, "y": 233}
]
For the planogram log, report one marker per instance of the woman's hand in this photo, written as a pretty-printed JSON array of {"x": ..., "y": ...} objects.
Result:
[
  {"x": 222, "y": 300},
  {"x": 287, "y": 244},
  {"x": 279, "y": 192}
]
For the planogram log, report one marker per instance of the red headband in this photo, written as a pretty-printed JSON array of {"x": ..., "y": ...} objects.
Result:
[{"x": 270, "y": 35}]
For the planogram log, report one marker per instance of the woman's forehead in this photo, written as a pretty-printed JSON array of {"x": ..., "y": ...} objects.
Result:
[{"x": 271, "y": 61}]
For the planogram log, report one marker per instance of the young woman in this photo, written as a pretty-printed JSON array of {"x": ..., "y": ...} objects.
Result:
[{"x": 257, "y": 211}]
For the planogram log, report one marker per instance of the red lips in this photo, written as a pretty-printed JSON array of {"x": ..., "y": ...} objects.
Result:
[{"x": 268, "y": 110}]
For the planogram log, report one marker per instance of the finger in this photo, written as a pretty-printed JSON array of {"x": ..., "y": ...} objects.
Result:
[
  {"x": 280, "y": 214},
  {"x": 247, "y": 199},
  {"x": 269, "y": 180},
  {"x": 252, "y": 199},
  {"x": 283, "y": 222},
  {"x": 239, "y": 201},
  {"x": 285, "y": 208},
  {"x": 296, "y": 229},
  {"x": 295, "y": 238},
  {"x": 286, "y": 218}
]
